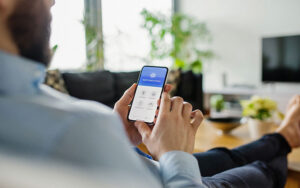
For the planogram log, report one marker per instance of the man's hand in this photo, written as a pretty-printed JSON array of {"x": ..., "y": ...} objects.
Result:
[
  {"x": 175, "y": 128},
  {"x": 122, "y": 107},
  {"x": 290, "y": 127}
]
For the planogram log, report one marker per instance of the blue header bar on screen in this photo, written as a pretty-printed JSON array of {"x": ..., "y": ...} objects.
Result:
[{"x": 153, "y": 76}]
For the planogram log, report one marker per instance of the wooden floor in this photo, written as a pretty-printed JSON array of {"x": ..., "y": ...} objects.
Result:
[
  {"x": 207, "y": 137},
  {"x": 293, "y": 180}
]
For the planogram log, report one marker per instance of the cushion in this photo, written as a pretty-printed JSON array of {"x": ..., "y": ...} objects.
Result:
[
  {"x": 97, "y": 86},
  {"x": 123, "y": 80},
  {"x": 55, "y": 80}
]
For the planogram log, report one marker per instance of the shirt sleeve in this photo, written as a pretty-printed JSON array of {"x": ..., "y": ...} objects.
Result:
[{"x": 180, "y": 169}]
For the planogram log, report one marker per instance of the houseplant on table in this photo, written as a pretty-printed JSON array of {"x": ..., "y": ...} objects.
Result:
[
  {"x": 217, "y": 102},
  {"x": 261, "y": 113}
]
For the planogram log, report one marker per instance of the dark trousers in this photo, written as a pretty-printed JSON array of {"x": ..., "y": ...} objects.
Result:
[{"x": 260, "y": 164}]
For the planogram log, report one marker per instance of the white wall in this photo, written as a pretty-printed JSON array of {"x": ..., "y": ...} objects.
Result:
[{"x": 237, "y": 27}]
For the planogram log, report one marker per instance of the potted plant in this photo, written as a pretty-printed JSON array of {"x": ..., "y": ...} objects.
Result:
[
  {"x": 181, "y": 38},
  {"x": 261, "y": 113},
  {"x": 217, "y": 102}
]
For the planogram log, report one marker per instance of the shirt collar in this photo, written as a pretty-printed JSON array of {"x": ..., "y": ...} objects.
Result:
[{"x": 19, "y": 75}]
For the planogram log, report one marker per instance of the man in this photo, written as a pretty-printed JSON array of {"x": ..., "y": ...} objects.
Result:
[{"x": 40, "y": 122}]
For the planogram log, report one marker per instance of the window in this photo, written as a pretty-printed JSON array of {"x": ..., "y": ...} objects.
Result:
[
  {"x": 126, "y": 43},
  {"x": 68, "y": 34}
]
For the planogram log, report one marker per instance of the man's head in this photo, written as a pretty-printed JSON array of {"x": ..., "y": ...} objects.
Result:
[{"x": 26, "y": 28}]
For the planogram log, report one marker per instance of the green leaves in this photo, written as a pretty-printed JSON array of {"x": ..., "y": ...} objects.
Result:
[
  {"x": 259, "y": 108},
  {"x": 196, "y": 66},
  {"x": 178, "y": 37},
  {"x": 217, "y": 102},
  {"x": 54, "y": 49},
  {"x": 156, "y": 25},
  {"x": 179, "y": 64}
]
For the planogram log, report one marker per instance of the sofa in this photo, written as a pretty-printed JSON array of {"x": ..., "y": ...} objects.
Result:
[{"x": 107, "y": 87}]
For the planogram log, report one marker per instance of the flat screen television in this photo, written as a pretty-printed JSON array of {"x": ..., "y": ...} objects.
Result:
[{"x": 281, "y": 59}]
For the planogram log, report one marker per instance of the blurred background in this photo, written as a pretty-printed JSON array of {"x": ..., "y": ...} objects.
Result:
[{"x": 236, "y": 49}]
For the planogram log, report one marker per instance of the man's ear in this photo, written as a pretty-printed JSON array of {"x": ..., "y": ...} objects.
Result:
[
  {"x": 1, "y": 5},
  {"x": 2, "y": 9},
  {"x": 6, "y": 7}
]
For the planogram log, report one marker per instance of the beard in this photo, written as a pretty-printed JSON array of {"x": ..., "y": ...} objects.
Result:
[{"x": 29, "y": 25}]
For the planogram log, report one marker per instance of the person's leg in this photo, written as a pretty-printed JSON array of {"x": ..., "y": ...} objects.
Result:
[
  {"x": 220, "y": 159},
  {"x": 255, "y": 175}
]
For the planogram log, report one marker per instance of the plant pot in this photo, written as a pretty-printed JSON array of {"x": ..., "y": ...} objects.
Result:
[
  {"x": 258, "y": 128},
  {"x": 191, "y": 88}
]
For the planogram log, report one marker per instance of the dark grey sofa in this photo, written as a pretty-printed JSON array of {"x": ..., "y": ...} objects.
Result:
[{"x": 107, "y": 87}]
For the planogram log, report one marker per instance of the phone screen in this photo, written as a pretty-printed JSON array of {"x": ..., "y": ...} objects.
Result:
[{"x": 149, "y": 89}]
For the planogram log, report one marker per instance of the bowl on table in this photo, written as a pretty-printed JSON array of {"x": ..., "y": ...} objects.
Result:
[{"x": 224, "y": 124}]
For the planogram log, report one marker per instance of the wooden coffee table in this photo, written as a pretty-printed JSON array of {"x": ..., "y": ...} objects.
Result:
[{"x": 208, "y": 137}]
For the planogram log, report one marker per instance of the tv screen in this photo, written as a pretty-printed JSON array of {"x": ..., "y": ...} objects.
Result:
[{"x": 281, "y": 59}]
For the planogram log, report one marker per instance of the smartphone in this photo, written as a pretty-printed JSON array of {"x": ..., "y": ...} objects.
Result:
[{"x": 149, "y": 89}]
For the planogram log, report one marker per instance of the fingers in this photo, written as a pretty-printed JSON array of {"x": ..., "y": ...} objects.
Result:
[
  {"x": 165, "y": 103},
  {"x": 177, "y": 105},
  {"x": 197, "y": 118},
  {"x": 168, "y": 88},
  {"x": 128, "y": 95},
  {"x": 144, "y": 130},
  {"x": 187, "y": 110}
]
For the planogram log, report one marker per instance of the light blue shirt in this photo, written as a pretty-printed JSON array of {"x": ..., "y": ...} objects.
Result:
[{"x": 38, "y": 121}]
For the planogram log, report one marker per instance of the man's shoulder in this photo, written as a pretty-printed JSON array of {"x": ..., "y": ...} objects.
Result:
[
  {"x": 69, "y": 104},
  {"x": 38, "y": 121}
]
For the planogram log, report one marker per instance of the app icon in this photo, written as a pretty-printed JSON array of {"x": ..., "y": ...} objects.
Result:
[
  {"x": 150, "y": 104},
  {"x": 143, "y": 93},
  {"x": 140, "y": 103},
  {"x": 152, "y": 75}
]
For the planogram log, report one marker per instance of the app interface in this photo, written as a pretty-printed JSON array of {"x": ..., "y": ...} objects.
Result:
[{"x": 147, "y": 94}]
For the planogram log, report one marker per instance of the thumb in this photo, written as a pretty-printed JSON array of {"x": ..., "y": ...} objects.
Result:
[
  {"x": 143, "y": 129},
  {"x": 168, "y": 88},
  {"x": 128, "y": 95}
]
